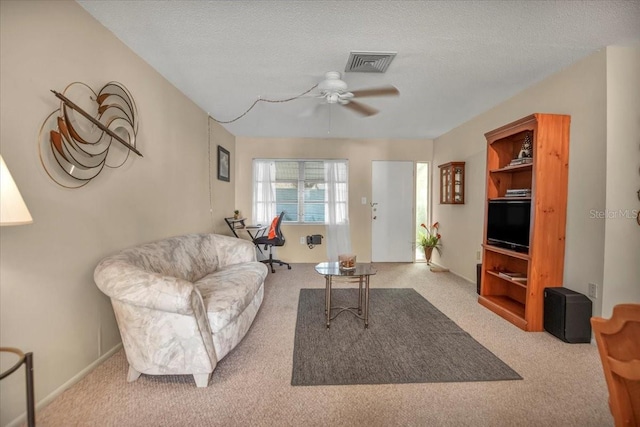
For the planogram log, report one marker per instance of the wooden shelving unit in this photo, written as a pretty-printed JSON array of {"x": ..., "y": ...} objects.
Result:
[{"x": 521, "y": 302}]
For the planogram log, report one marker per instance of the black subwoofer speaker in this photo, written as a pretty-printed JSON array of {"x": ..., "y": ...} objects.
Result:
[
  {"x": 478, "y": 277},
  {"x": 567, "y": 315}
]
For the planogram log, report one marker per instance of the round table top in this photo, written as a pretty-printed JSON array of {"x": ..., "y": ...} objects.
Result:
[{"x": 333, "y": 269}]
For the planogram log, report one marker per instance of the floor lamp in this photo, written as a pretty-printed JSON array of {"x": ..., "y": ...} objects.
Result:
[{"x": 13, "y": 211}]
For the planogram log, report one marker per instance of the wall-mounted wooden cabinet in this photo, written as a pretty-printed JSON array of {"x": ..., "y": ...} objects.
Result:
[
  {"x": 516, "y": 268},
  {"x": 452, "y": 183}
]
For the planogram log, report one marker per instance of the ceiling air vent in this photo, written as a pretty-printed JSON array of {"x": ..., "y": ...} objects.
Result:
[{"x": 369, "y": 62}]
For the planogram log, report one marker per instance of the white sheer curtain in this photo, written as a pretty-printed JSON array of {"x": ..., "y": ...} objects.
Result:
[
  {"x": 264, "y": 195},
  {"x": 338, "y": 235}
]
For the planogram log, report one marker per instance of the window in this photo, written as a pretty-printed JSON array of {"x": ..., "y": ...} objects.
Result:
[{"x": 308, "y": 191}]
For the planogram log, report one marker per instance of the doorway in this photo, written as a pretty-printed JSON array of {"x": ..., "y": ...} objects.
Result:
[
  {"x": 423, "y": 209},
  {"x": 392, "y": 219}
]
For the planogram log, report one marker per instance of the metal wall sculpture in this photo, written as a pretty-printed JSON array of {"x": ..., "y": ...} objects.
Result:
[{"x": 76, "y": 141}]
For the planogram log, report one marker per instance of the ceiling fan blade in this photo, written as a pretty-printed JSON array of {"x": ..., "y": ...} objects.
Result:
[
  {"x": 360, "y": 108},
  {"x": 380, "y": 91}
]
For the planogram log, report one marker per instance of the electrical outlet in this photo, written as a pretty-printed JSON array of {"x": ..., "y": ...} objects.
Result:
[
  {"x": 593, "y": 290},
  {"x": 478, "y": 256},
  {"x": 303, "y": 241}
]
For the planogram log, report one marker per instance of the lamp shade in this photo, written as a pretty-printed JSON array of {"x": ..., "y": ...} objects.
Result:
[{"x": 13, "y": 210}]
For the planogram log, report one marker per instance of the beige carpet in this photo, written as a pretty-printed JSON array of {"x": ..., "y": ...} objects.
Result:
[{"x": 563, "y": 383}]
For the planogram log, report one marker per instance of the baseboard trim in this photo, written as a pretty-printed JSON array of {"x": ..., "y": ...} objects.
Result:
[
  {"x": 463, "y": 277},
  {"x": 73, "y": 380}
]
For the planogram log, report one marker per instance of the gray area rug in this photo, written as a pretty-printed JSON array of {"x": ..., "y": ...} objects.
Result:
[{"x": 408, "y": 341}]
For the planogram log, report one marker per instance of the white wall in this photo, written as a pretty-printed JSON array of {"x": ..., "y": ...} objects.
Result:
[
  {"x": 49, "y": 303},
  {"x": 602, "y": 95},
  {"x": 223, "y": 204},
  {"x": 359, "y": 152},
  {"x": 461, "y": 225},
  {"x": 580, "y": 91},
  {"x": 622, "y": 242}
]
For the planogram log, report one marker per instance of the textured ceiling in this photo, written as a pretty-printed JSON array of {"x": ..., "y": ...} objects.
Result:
[{"x": 456, "y": 59}]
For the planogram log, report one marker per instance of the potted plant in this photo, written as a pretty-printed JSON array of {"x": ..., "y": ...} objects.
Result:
[
  {"x": 429, "y": 239},
  {"x": 236, "y": 214}
]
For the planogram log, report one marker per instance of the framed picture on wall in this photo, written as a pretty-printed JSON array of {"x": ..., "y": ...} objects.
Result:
[{"x": 224, "y": 164}]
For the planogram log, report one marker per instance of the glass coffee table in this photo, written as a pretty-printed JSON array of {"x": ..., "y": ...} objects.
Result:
[{"x": 360, "y": 273}]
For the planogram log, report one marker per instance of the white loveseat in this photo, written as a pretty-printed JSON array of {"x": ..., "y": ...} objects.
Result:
[{"x": 184, "y": 302}]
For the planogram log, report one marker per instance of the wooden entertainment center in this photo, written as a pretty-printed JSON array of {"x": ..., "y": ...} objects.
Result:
[{"x": 514, "y": 278}]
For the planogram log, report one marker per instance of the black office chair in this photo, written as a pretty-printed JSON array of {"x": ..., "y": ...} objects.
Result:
[{"x": 269, "y": 243}]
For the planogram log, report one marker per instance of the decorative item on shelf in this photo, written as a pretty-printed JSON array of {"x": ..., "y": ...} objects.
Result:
[
  {"x": 526, "y": 152},
  {"x": 236, "y": 214},
  {"x": 75, "y": 141},
  {"x": 521, "y": 161},
  {"x": 518, "y": 192},
  {"x": 347, "y": 262},
  {"x": 511, "y": 275},
  {"x": 429, "y": 239}
]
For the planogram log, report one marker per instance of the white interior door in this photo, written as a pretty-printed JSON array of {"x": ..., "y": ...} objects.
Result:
[{"x": 392, "y": 238}]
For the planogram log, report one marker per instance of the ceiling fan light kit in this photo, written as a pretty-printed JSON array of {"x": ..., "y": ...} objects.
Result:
[
  {"x": 332, "y": 83},
  {"x": 334, "y": 91}
]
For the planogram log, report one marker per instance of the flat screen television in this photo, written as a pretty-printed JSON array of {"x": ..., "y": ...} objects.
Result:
[{"x": 508, "y": 224}]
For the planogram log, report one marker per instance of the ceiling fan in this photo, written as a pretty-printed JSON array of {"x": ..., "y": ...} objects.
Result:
[{"x": 334, "y": 91}]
